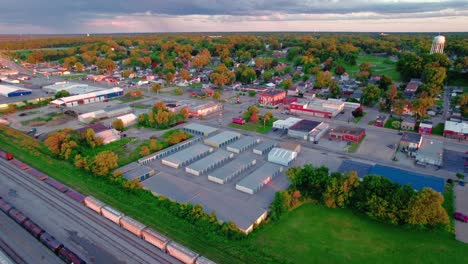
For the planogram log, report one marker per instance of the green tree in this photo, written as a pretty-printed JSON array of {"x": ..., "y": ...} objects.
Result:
[
  {"x": 370, "y": 94},
  {"x": 156, "y": 87},
  {"x": 79, "y": 67},
  {"x": 286, "y": 84},
  {"x": 61, "y": 93},
  {"x": 396, "y": 124},
  {"x": 425, "y": 209},
  {"x": 216, "y": 95},
  {"x": 334, "y": 89},
  {"x": 385, "y": 82},
  {"x": 323, "y": 79},
  {"x": 340, "y": 188},
  {"x": 118, "y": 124},
  {"x": 104, "y": 162},
  {"x": 267, "y": 117}
]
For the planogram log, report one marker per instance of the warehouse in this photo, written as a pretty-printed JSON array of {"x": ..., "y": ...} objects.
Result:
[
  {"x": 264, "y": 147},
  {"x": 287, "y": 123},
  {"x": 222, "y": 139},
  {"x": 430, "y": 152},
  {"x": 232, "y": 169},
  {"x": 282, "y": 156},
  {"x": 13, "y": 91},
  {"x": 168, "y": 151},
  {"x": 108, "y": 112},
  {"x": 458, "y": 130},
  {"x": 256, "y": 180},
  {"x": 141, "y": 173},
  {"x": 318, "y": 107},
  {"x": 318, "y": 132},
  {"x": 87, "y": 98},
  {"x": 128, "y": 119},
  {"x": 351, "y": 134},
  {"x": 200, "y": 130},
  {"x": 210, "y": 162},
  {"x": 243, "y": 144},
  {"x": 187, "y": 156},
  {"x": 302, "y": 129},
  {"x": 71, "y": 88},
  {"x": 101, "y": 131}
]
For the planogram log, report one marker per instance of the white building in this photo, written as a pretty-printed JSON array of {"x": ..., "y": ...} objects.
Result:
[
  {"x": 87, "y": 98},
  {"x": 72, "y": 88},
  {"x": 282, "y": 156}
]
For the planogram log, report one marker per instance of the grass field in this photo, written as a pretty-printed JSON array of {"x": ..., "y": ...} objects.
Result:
[
  {"x": 254, "y": 127},
  {"x": 316, "y": 234},
  {"x": 380, "y": 65},
  {"x": 438, "y": 129},
  {"x": 357, "y": 119},
  {"x": 355, "y": 146}
]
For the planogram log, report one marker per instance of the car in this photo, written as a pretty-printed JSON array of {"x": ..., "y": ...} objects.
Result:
[
  {"x": 391, "y": 146},
  {"x": 400, "y": 133},
  {"x": 461, "y": 217}
]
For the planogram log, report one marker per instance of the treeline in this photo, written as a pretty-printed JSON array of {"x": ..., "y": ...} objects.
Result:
[{"x": 374, "y": 196}]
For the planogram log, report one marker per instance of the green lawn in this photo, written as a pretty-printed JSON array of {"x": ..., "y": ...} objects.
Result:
[
  {"x": 389, "y": 122},
  {"x": 317, "y": 234},
  {"x": 380, "y": 65},
  {"x": 357, "y": 119},
  {"x": 73, "y": 76},
  {"x": 438, "y": 130},
  {"x": 355, "y": 146},
  {"x": 127, "y": 99},
  {"x": 254, "y": 127}
]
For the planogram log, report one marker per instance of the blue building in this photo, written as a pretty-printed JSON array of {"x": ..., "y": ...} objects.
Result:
[{"x": 12, "y": 91}]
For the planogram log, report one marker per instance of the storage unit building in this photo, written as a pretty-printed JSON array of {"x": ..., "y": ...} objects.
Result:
[
  {"x": 111, "y": 214},
  {"x": 199, "y": 130},
  {"x": 232, "y": 169},
  {"x": 141, "y": 173},
  {"x": 302, "y": 129},
  {"x": 256, "y": 180},
  {"x": 128, "y": 167},
  {"x": 132, "y": 225},
  {"x": 168, "y": 151},
  {"x": 243, "y": 144},
  {"x": 264, "y": 147},
  {"x": 209, "y": 163},
  {"x": 13, "y": 91},
  {"x": 222, "y": 139},
  {"x": 282, "y": 156},
  {"x": 187, "y": 156},
  {"x": 204, "y": 260}
]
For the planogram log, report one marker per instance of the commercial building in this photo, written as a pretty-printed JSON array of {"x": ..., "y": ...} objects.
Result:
[
  {"x": 351, "y": 134},
  {"x": 272, "y": 97},
  {"x": 257, "y": 179},
  {"x": 187, "y": 156},
  {"x": 232, "y": 169},
  {"x": 101, "y": 131},
  {"x": 264, "y": 147},
  {"x": 380, "y": 120},
  {"x": 72, "y": 88},
  {"x": 209, "y": 162},
  {"x": 199, "y": 129},
  {"x": 168, "y": 151},
  {"x": 282, "y": 156},
  {"x": 243, "y": 144},
  {"x": 410, "y": 142},
  {"x": 431, "y": 152},
  {"x": 287, "y": 123},
  {"x": 195, "y": 108},
  {"x": 222, "y": 139},
  {"x": 308, "y": 130},
  {"x": 13, "y": 91},
  {"x": 128, "y": 119},
  {"x": 318, "y": 107},
  {"x": 87, "y": 98},
  {"x": 458, "y": 130},
  {"x": 438, "y": 44},
  {"x": 108, "y": 112},
  {"x": 425, "y": 127},
  {"x": 409, "y": 123}
]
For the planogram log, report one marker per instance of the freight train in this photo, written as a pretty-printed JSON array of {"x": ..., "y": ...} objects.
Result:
[
  {"x": 151, "y": 236},
  {"x": 40, "y": 234}
]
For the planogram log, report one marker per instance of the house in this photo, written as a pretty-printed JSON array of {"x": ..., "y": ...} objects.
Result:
[
  {"x": 293, "y": 91},
  {"x": 409, "y": 123},
  {"x": 425, "y": 127},
  {"x": 197, "y": 93},
  {"x": 344, "y": 77},
  {"x": 272, "y": 98},
  {"x": 410, "y": 142},
  {"x": 412, "y": 87},
  {"x": 380, "y": 120},
  {"x": 458, "y": 130},
  {"x": 350, "y": 134}
]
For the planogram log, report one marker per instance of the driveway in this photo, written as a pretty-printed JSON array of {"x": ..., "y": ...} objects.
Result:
[{"x": 461, "y": 205}]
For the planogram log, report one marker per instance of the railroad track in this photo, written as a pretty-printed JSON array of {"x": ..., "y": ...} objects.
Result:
[
  {"x": 11, "y": 253},
  {"x": 81, "y": 215}
]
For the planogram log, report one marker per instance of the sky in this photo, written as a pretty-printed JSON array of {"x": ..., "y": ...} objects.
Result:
[{"x": 125, "y": 16}]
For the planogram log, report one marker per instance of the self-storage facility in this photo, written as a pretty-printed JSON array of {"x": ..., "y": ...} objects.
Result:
[
  {"x": 199, "y": 130},
  {"x": 257, "y": 179},
  {"x": 232, "y": 169},
  {"x": 209, "y": 162},
  {"x": 222, "y": 139},
  {"x": 264, "y": 147},
  {"x": 243, "y": 144},
  {"x": 187, "y": 156}
]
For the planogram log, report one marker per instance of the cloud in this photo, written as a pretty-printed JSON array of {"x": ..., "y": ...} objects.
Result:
[{"x": 66, "y": 16}]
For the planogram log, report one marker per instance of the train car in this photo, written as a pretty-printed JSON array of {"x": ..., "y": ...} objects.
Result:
[
  {"x": 69, "y": 256},
  {"x": 111, "y": 214},
  {"x": 94, "y": 204},
  {"x": 6, "y": 155},
  {"x": 204, "y": 260},
  {"x": 75, "y": 195},
  {"x": 21, "y": 165},
  {"x": 181, "y": 253},
  {"x": 154, "y": 238},
  {"x": 17, "y": 215},
  {"x": 5, "y": 206},
  {"x": 33, "y": 228},
  {"x": 50, "y": 242},
  {"x": 37, "y": 174},
  {"x": 132, "y": 225},
  {"x": 57, "y": 185}
]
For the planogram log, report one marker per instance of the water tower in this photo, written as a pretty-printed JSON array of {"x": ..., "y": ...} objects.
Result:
[{"x": 438, "y": 45}]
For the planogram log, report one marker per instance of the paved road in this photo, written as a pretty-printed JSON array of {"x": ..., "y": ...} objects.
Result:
[
  {"x": 461, "y": 205},
  {"x": 10, "y": 64},
  {"x": 91, "y": 236},
  {"x": 20, "y": 246}
]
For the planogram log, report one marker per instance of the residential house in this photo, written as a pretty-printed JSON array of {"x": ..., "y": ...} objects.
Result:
[
  {"x": 409, "y": 123},
  {"x": 410, "y": 142},
  {"x": 425, "y": 127},
  {"x": 412, "y": 87},
  {"x": 380, "y": 120}
]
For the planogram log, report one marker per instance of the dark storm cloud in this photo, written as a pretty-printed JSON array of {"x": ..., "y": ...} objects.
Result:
[{"x": 70, "y": 14}]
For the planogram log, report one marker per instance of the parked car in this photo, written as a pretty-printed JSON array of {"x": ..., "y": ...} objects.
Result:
[{"x": 461, "y": 217}]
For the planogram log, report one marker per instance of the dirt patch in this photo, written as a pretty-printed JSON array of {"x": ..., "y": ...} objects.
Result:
[
  {"x": 59, "y": 120},
  {"x": 36, "y": 123}
]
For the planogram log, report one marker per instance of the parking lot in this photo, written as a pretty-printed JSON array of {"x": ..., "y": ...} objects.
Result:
[{"x": 374, "y": 145}]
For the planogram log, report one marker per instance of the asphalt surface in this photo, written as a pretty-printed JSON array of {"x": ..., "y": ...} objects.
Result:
[
  {"x": 92, "y": 237},
  {"x": 461, "y": 205}
]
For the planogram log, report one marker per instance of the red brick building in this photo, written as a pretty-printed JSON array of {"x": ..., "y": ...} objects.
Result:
[
  {"x": 352, "y": 134},
  {"x": 425, "y": 127},
  {"x": 272, "y": 97}
]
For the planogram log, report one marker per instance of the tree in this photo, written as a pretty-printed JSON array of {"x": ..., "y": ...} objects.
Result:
[
  {"x": 79, "y": 67},
  {"x": 169, "y": 77},
  {"x": 118, "y": 124},
  {"x": 145, "y": 151},
  {"x": 396, "y": 124},
  {"x": 104, "y": 162},
  {"x": 425, "y": 209},
  {"x": 202, "y": 59},
  {"x": 250, "y": 111},
  {"x": 365, "y": 66},
  {"x": 460, "y": 176},
  {"x": 61, "y": 93},
  {"x": 385, "y": 82},
  {"x": 216, "y": 95},
  {"x": 358, "y": 112},
  {"x": 286, "y": 84},
  {"x": 334, "y": 89},
  {"x": 178, "y": 91},
  {"x": 392, "y": 94},
  {"x": 55, "y": 140},
  {"x": 399, "y": 106},
  {"x": 106, "y": 64},
  {"x": 185, "y": 75},
  {"x": 267, "y": 117},
  {"x": 252, "y": 93},
  {"x": 340, "y": 188},
  {"x": 323, "y": 79},
  {"x": 420, "y": 105},
  {"x": 245, "y": 74},
  {"x": 222, "y": 76},
  {"x": 184, "y": 112},
  {"x": 156, "y": 87},
  {"x": 410, "y": 66},
  {"x": 370, "y": 94},
  {"x": 259, "y": 63},
  {"x": 132, "y": 184},
  {"x": 339, "y": 70}
]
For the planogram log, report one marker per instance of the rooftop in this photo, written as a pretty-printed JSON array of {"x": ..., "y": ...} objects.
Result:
[
  {"x": 208, "y": 161},
  {"x": 256, "y": 178},
  {"x": 273, "y": 92},
  {"x": 233, "y": 166},
  {"x": 411, "y": 137},
  {"x": 242, "y": 142},
  {"x": 222, "y": 137},
  {"x": 431, "y": 148},
  {"x": 188, "y": 153},
  {"x": 305, "y": 125},
  {"x": 201, "y": 128},
  {"x": 137, "y": 172},
  {"x": 266, "y": 145},
  {"x": 98, "y": 127},
  {"x": 355, "y": 131}
]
